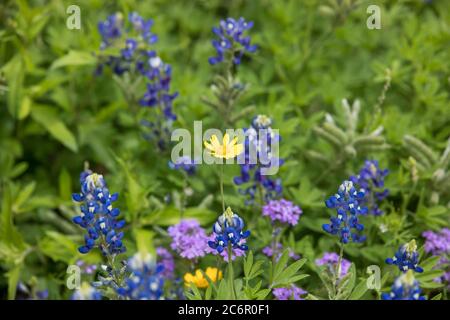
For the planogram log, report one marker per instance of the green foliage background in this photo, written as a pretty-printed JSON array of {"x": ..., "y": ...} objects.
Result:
[{"x": 55, "y": 114}]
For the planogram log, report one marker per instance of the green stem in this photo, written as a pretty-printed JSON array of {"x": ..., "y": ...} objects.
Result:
[
  {"x": 275, "y": 241},
  {"x": 261, "y": 195},
  {"x": 230, "y": 272},
  {"x": 338, "y": 266},
  {"x": 221, "y": 187},
  {"x": 183, "y": 196},
  {"x": 218, "y": 268},
  {"x": 110, "y": 261}
]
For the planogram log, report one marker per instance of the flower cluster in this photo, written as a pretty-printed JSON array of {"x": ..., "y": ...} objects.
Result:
[
  {"x": 188, "y": 239},
  {"x": 199, "y": 280},
  {"x": 235, "y": 252},
  {"x": 184, "y": 163},
  {"x": 158, "y": 96},
  {"x": 330, "y": 260},
  {"x": 347, "y": 204},
  {"x": 290, "y": 293},
  {"x": 406, "y": 257},
  {"x": 86, "y": 292},
  {"x": 166, "y": 259},
  {"x": 146, "y": 281},
  {"x": 438, "y": 244},
  {"x": 228, "y": 232},
  {"x": 282, "y": 211},
  {"x": 98, "y": 216},
  {"x": 112, "y": 31},
  {"x": 259, "y": 157},
  {"x": 232, "y": 43},
  {"x": 371, "y": 179},
  {"x": 137, "y": 58},
  {"x": 227, "y": 150},
  {"x": 405, "y": 287}
]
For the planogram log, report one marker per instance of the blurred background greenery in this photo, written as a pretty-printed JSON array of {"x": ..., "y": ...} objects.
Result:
[{"x": 55, "y": 114}]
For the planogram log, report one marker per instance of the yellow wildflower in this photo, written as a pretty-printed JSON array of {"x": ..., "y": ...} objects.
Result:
[
  {"x": 227, "y": 150},
  {"x": 199, "y": 280}
]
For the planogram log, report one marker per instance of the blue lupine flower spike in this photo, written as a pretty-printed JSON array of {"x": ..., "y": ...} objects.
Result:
[
  {"x": 405, "y": 287},
  {"x": 347, "y": 204},
  {"x": 371, "y": 179},
  {"x": 228, "y": 229},
  {"x": 259, "y": 138},
  {"x": 98, "y": 216},
  {"x": 231, "y": 40},
  {"x": 406, "y": 258},
  {"x": 146, "y": 281}
]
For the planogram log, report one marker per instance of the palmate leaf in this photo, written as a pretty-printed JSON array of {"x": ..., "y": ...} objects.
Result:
[
  {"x": 283, "y": 275},
  {"x": 252, "y": 270}
]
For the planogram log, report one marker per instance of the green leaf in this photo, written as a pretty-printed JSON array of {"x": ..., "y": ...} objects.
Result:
[
  {"x": 75, "y": 58},
  {"x": 285, "y": 276},
  {"x": 8, "y": 233},
  {"x": 223, "y": 293},
  {"x": 24, "y": 194},
  {"x": 430, "y": 263},
  {"x": 24, "y": 108},
  {"x": 248, "y": 263},
  {"x": 279, "y": 266},
  {"x": 171, "y": 215},
  {"x": 192, "y": 293},
  {"x": 437, "y": 297},
  {"x": 48, "y": 118},
  {"x": 13, "y": 276},
  {"x": 59, "y": 247},
  {"x": 359, "y": 290},
  {"x": 429, "y": 275},
  {"x": 14, "y": 74}
]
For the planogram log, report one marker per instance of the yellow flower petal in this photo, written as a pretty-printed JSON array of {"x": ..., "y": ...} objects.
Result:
[
  {"x": 215, "y": 141},
  {"x": 226, "y": 139},
  {"x": 229, "y": 149}
]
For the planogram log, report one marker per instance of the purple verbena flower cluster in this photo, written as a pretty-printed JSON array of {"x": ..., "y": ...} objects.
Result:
[
  {"x": 282, "y": 211},
  {"x": 188, "y": 239},
  {"x": 438, "y": 244},
  {"x": 290, "y": 293},
  {"x": 330, "y": 260}
]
